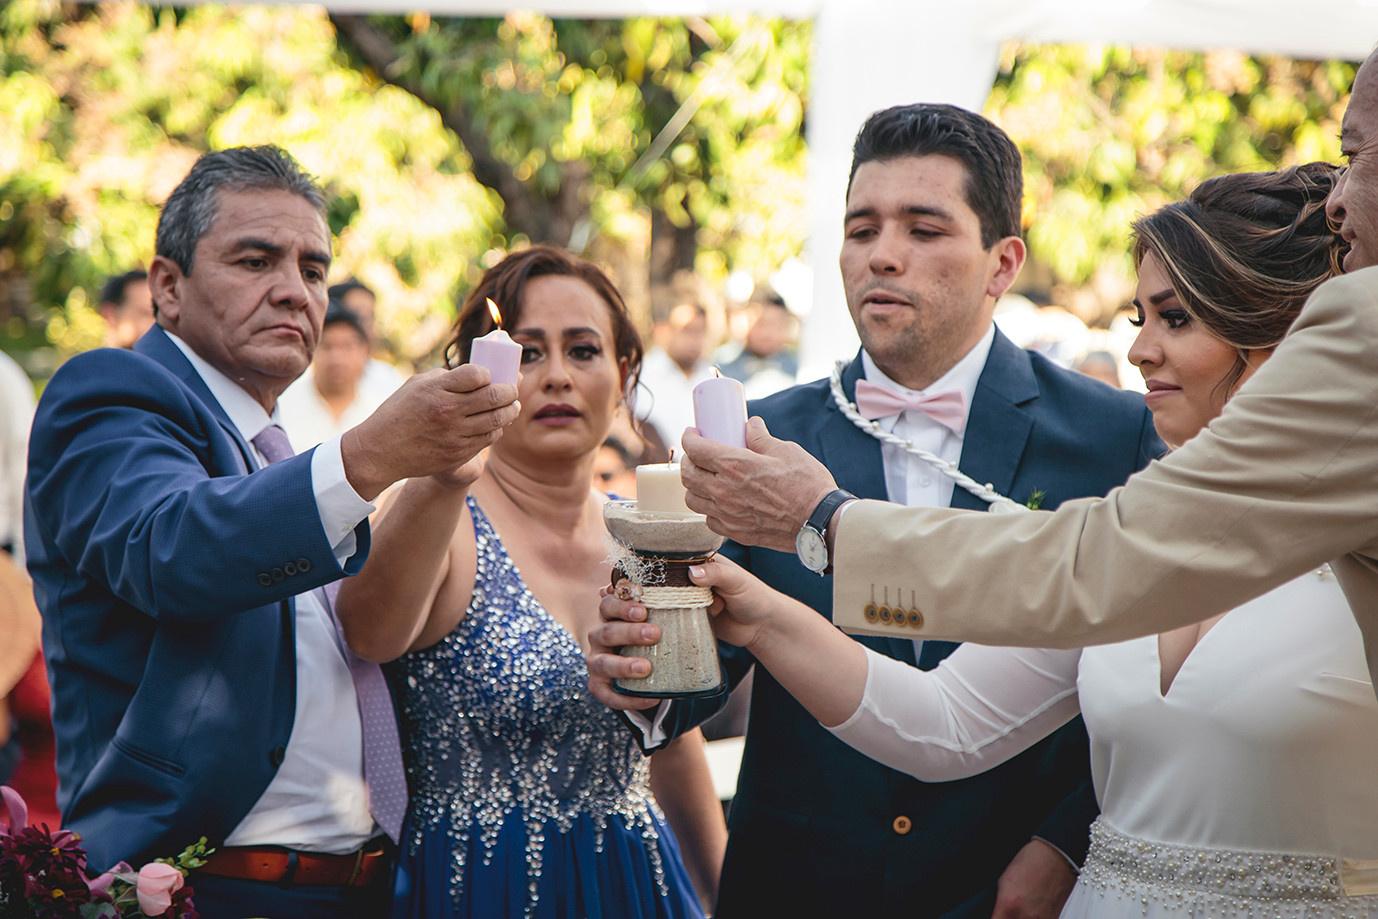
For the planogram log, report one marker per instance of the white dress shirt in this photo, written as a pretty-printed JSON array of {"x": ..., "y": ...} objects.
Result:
[
  {"x": 908, "y": 479},
  {"x": 317, "y": 801},
  {"x": 668, "y": 402},
  {"x": 16, "y": 417},
  {"x": 307, "y": 418},
  {"x": 380, "y": 380}
]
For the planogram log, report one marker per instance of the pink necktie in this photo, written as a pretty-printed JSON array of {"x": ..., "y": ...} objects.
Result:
[
  {"x": 383, "y": 771},
  {"x": 947, "y": 408}
]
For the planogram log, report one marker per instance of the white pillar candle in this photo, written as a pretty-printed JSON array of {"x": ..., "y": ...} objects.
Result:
[
  {"x": 720, "y": 411},
  {"x": 497, "y": 351},
  {"x": 659, "y": 489}
]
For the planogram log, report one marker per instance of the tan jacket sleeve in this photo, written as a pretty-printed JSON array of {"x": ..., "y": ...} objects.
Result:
[{"x": 1283, "y": 481}]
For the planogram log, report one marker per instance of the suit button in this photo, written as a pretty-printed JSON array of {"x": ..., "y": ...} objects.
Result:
[
  {"x": 277, "y": 756},
  {"x": 290, "y": 569},
  {"x": 915, "y": 619},
  {"x": 265, "y": 579},
  {"x": 902, "y": 825},
  {"x": 278, "y": 574},
  {"x": 303, "y": 565}
]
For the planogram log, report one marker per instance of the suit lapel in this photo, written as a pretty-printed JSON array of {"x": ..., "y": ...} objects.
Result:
[
  {"x": 157, "y": 345},
  {"x": 999, "y": 422},
  {"x": 855, "y": 460}
]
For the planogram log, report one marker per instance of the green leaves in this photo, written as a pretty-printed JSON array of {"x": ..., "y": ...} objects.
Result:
[
  {"x": 191, "y": 858},
  {"x": 1109, "y": 133},
  {"x": 448, "y": 140}
]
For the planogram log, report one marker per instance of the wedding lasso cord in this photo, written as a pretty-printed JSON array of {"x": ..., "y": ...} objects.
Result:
[{"x": 987, "y": 493}]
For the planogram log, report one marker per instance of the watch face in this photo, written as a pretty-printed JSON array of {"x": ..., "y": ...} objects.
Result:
[{"x": 812, "y": 550}]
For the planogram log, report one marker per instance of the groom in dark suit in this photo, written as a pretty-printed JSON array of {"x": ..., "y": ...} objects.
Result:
[
  {"x": 932, "y": 238},
  {"x": 179, "y": 549}
]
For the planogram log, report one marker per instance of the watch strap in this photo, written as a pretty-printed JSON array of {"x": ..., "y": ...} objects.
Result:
[{"x": 823, "y": 513}]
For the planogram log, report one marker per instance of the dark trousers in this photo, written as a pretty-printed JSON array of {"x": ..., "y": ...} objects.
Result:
[{"x": 232, "y": 898}]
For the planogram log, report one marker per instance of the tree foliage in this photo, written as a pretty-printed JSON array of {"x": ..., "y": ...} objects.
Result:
[
  {"x": 477, "y": 135},
  {"x": 654, "y": 144},
  {"x": 577, "y": 123},
  {"x": 122, "y": 100},
  {"x": 1109, "y": 133}
]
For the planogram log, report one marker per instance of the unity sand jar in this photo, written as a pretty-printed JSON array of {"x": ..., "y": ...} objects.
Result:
[{"x": 658, "y": 539}]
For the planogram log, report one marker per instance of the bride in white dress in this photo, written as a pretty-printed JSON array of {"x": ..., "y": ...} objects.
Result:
[{"x": 1234, "y": 760}]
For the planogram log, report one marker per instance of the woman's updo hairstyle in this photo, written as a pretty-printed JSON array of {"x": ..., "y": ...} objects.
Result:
[
  {"x": 1244, "y": 251},
  {"x": 506, "y": 284}
]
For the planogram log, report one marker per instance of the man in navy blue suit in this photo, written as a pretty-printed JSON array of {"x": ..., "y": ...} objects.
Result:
[
  {"x": 932, "y": 239},
  {"x": 179, "y": 550}
]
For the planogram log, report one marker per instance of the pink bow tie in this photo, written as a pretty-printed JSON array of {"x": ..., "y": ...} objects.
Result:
[{"x": 946, "y": 408}]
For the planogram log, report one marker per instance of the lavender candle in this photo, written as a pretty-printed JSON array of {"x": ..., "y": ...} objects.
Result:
[{"x": 720, "y": 411}]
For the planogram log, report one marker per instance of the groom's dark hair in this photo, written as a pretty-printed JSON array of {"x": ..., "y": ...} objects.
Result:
[{"x": 995, "y": 178}]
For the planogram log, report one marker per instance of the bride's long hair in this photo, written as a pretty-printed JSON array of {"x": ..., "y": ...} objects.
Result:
[{"x": 1244, "y": 252}]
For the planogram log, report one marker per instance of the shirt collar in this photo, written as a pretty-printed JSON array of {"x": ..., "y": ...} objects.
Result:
[
  {"x": 962, "y": 377},
  {"x": 245, "y": 413}
]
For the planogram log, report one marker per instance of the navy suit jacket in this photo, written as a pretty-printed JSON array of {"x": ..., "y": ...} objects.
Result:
[
  {"x": 165, "y": 574},
  {"x": 816, "y": 827}
]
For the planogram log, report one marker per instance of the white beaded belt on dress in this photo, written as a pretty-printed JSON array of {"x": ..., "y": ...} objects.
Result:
[{"x": 1211, "y": 878}]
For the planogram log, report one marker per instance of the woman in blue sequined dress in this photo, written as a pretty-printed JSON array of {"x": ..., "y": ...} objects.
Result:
[{"x": 527, "y": 797}]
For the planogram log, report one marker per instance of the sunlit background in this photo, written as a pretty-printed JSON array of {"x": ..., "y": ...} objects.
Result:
[{"x": 669, "y": 149}]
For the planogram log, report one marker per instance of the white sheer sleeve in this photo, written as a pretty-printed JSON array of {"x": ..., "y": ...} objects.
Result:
[{"x": 978, "y": 708}]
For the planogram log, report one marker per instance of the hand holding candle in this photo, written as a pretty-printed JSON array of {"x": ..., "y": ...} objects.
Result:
[{"x": 497, "y": 351}]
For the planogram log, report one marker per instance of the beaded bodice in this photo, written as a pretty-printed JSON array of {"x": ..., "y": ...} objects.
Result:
[{"x": 497, "y": 718}]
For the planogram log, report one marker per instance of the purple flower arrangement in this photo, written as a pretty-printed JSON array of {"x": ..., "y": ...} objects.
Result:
[{"x": 43, "y": 875}]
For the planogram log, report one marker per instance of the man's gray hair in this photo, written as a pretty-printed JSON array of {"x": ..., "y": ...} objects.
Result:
[{"x": 190, "y": 209}]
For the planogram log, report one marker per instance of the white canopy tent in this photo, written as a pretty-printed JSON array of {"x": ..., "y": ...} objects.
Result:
[{"x": 870, "y": 54}]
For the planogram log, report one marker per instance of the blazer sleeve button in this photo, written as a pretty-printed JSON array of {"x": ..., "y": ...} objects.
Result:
[
  {"x": 278, "y": 574},
  {"x": 303, "y": 565},
  {"x": 265, "y": 579},
  {"x": 902, "y": 825},
  {"x": 290, "y": 569}
]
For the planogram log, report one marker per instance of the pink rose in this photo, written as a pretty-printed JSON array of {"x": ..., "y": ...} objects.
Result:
[{"x": 157, "y": 884}]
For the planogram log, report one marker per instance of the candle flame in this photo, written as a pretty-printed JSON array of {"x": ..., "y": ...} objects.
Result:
[{"x": 494, "y": 312}]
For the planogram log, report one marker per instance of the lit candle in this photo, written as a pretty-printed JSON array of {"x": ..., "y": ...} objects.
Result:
[
  {"x": 659, "y": 489},
  {"x": 720, "y": 410},
  {"x": 497, "y": 351}
]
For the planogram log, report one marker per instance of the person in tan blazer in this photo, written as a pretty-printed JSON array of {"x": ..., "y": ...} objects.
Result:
[{"x": 1285, "y": 480}]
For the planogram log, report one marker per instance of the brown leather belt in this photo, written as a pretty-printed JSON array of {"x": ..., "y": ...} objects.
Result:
[{"x": 274, "y": 865}]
